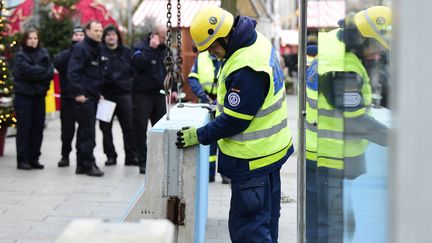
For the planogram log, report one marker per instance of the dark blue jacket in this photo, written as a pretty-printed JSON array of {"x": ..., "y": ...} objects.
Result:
[
  {"x": 61, "y": 61},
  {"x": 85, "y": 69},
  {"x": 252, "y": 88},
  {"x": 117, "y": 71},
  {"x": 32, "y": 71},
  {"x": 149, "y": 67}
]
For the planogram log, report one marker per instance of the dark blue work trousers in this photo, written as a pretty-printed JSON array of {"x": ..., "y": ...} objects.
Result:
[
  {"x": 123, "y": 111},
  {"x": 255, "y": 209},
  {"x": 212, "y": 166},
  {"x": 30, "y": 114},
  {"x": 146, "y": 107},
  {"x": 67, "y": 119},
  {"x": 311, "y": 201},
  {"x": 85, "y": 114},
  {"x": 330, "y": 207}
]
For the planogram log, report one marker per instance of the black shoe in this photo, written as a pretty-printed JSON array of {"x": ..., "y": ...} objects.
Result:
[
  {"x": 24, "y": 166},
  {"x": 225, "y": 180},
  {"x": 211, "y": 179},
  {"x": 80, "y": 170},
  {"x": 142, "y": 169},
  {"x": 36, "y": 165},
  {"x": 111, "y": 161},
  {"x": 132, "y": 162},
  {"x": 94, "y": 171},
  {"x": 64, "y": 162}
]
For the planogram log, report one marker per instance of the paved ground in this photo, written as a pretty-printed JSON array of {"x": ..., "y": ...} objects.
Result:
[{"x": 36, "y": 206}]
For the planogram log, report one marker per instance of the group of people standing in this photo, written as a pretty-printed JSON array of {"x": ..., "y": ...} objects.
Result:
[{"x": 96, "y": 66}]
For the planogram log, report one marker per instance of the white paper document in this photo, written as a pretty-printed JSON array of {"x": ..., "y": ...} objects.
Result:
[{"x": 105, "y": 110}]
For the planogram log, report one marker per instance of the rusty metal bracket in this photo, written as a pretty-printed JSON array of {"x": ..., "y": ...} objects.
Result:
[{"x": 176, "y": 211}]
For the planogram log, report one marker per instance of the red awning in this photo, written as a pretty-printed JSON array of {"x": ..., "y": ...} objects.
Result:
[{"x": 157, "y": 10}]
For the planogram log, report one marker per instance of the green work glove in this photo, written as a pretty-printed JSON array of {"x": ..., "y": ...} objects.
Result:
[{"x": 187, "y": 137}]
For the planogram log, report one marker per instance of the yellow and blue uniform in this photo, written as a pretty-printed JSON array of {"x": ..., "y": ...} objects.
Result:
[
  {"x": 338, "y": 128},
  {"x": 252, "y": 132},
  {"x": 203, "y": 82}
]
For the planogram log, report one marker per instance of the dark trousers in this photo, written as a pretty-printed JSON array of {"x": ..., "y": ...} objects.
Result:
[
  {"x": 311, "y": 201},
  {"x": 30, "y": 114},
  {"x": 330, "y": 207},
  {"x": 255, "y": 209},
  {"x": 146, "y": 107},
  {"x": 85, "y": 114},
  {"x": 212, "y": 159},
  {"x": 67, "y": 119},
  {"x": 123, "y": 111}
]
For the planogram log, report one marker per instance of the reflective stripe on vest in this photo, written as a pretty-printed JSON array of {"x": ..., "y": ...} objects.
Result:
[
  {"x": 267, "y": 136},
  {"x": 332, "y": 145}
]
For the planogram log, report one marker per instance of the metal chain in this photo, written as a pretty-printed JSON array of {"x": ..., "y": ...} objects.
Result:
[
  {"x": 168, "y": 62},
  {"x": 179, "y": 60}
]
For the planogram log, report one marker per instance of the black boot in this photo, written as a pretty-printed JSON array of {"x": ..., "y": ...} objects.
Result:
[
  {"x": 142, "y": 168},
  {"x": 111, "y": 161},
  {"x": 23, "y": 166},
  {"x": 94, "y": 171},
  {"x": 132, "y": 162},
  {"x": 64, "y": 162},
  {"x": 36, "y": 165}
]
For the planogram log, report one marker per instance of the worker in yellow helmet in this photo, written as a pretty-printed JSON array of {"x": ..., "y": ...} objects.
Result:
[
  {"x": 338, "y": 124},
  {"x": 251, "y": 121}
]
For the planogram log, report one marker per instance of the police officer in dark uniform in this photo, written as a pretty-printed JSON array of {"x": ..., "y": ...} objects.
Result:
[
  {"x": 117, "y": 88},
  {"x": 67, "y": 117},
  {"x": 33, "y": 71},
  {"x": 148, "y": 102},
  {"x": 85, "y": 76}
]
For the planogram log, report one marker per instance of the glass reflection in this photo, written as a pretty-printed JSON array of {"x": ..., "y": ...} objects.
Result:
[{"x": 347, "y": 128}]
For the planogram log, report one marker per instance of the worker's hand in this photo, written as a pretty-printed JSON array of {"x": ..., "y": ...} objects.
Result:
[
  {"x": 187, "y": 137},
  {"x": 154, "y": 41},
  {"x": 205, "y": 99},
  {"x": 174, "y": 96},
  {"x": 80, "y": 99}
]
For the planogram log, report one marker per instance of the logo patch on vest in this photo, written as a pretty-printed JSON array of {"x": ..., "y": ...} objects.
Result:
[{"x": 234, "y": 99}]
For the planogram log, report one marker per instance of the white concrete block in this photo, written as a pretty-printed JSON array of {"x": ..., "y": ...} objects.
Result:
[{"x": 97, "y": 231}]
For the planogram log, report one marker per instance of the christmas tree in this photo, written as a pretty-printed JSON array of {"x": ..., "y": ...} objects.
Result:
[{"x": 7, "y": 116}]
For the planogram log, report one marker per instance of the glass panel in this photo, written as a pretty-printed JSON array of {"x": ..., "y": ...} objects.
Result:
[{"x": 347, "y": 122}]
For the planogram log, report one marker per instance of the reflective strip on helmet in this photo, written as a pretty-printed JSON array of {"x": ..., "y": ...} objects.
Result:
[
  {"x": 275, "y": 106},
  {"x": 204, "y": 42},
  {"x": 370, "y": 22},
  {"x": 259, "y": 163},
  {"x": 237, "y": 114},
  {"x": 243, "y": 137}
]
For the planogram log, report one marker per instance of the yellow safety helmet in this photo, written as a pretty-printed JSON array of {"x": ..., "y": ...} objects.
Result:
[
  {"x": 209, "y": 24},
  {"x": 375, "y": 22}
]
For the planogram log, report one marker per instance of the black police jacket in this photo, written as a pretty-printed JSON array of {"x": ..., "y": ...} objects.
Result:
[
  {"x": 149, "y": 67},
  {"x": 61, "y": 61},
  {"x": 32, "y": 71},
  {"x": 117, "y": 79},
  {"x": 84, "y": 70}
]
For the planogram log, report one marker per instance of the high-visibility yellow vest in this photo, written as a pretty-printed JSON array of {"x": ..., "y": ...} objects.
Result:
[
  {"x": 268, "y": 137},
  {"x": 331, "y": 146},
  {"x": 206, "y": 73}
]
